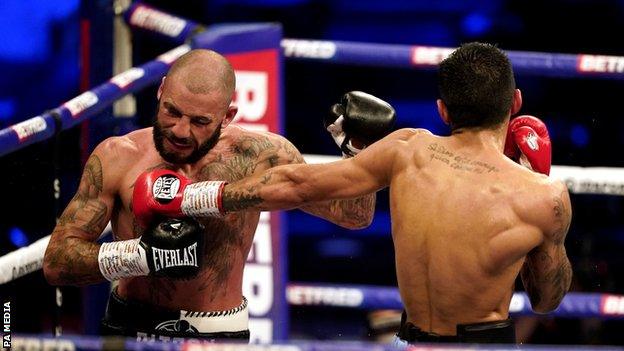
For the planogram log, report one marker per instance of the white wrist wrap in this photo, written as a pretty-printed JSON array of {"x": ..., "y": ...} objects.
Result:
[
  {"x": 336, "y": 131},
  {"x": 203, "y": 199},
  {"x": 122, "y": 259}
]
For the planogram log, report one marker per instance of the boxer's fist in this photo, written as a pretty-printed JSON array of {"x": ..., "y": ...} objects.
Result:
[
  {"x": 174, "y": 247},
  {"x": 158, "y": 192},
  {"x": 169, "y": 194},
  {"x": 528, "y": 143},
  {"x": 359, "y": 120}
]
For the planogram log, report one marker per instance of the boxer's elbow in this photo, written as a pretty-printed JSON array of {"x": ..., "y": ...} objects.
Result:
[
  {"x": 362, "y": 222},
  {"x": 298, "y": 189},
  {"x": 547, "y": 303},
  {"x": 355, "y": 218},
  {"x": 544, "y": 308},
  {"x": 50, "y": 271},
  {"x": 51, "y": 276},
  {"x": 55, "y": 261}
]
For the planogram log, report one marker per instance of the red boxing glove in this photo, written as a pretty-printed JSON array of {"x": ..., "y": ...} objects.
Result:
[
  {"x": 167, "y": 193},
  {"x": 528, "y": 143}
]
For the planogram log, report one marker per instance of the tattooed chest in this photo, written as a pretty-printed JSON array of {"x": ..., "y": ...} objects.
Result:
[{"x": 242, "y": 159}]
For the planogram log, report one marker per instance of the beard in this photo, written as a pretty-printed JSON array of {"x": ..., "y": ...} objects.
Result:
[{"x": 198, "y": 152}]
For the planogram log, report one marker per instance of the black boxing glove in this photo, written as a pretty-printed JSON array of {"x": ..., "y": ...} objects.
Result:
[
  {"x": 359, "y": 120},
  {"x": 172, "y": 248}
]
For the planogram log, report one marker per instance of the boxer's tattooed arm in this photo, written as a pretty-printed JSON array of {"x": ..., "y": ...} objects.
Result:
[
  {"x": 246, "y": 155},
  {"x": 258, "y": 153},
  {"x": 352, "y": 213},
  {"x": 563, "y": 216},
  {"x": 238, "y": 201},
  {"x": 529, "y": 276},
  {"x": 546, "y": 275},
  {"x": 71, "y": 256},
  {"x": 547, "y": 272}
]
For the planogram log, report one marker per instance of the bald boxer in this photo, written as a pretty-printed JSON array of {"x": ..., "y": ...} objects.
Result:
[
  {"x": 179, "y": 278},
  {"x": 466, "y": 218}
]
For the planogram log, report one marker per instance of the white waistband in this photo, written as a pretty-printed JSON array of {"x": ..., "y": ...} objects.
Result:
[{"x": 233, "y": 320}]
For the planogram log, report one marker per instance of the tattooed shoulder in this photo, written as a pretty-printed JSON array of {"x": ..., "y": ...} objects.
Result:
[
  {"x": 562, "y": 215},
  {"x": 86, "y": 210},
  {"x": 251, "y": 145},
  {"x": 288, "y": 153},
  {"x": 93, "y": 175}
]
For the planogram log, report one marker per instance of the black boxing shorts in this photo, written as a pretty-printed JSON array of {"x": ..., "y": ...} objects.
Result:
[
  {"x": 147, "y": 322},
  {"x": 494, "y": 332}
]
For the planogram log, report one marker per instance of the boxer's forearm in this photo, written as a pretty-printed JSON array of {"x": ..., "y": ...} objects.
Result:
[
  {"x": 295, "y": 185},
  {"x": 71, "y": 260},
  {"x": 546, "y": 277},
  {"x": 352, "y": 213},
  {"x": 276, "y": 189}
]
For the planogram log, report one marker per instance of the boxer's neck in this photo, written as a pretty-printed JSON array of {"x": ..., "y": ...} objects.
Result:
[{"x": 482, "y": 137}]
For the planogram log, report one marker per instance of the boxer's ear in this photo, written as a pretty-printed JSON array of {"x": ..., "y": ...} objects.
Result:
[
  {"x": 443, "y": 111},
  {"x": 516, "y": 103},
  {"x": 229, "y": 115},
  {"x": 160, "y": 88}
]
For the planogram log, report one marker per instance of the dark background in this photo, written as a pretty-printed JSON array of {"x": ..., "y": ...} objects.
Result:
[{"x": 39, "y": 66}]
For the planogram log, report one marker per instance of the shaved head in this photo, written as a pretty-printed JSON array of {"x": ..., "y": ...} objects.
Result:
[{"x": 203, "y": 72}]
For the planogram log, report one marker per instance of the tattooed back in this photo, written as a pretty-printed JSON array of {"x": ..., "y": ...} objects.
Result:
[{"x": 464, "y": 218}]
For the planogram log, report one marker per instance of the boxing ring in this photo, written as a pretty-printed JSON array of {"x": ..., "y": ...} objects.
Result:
[{"x": 256, "y": 51}]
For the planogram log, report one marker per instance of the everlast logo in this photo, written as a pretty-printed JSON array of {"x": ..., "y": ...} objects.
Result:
[{"x": 175, "y": 258}]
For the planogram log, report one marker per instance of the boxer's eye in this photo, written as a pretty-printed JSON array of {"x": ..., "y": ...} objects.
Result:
[
  {"x": 173, "y": 112},
  {"x": 202, "y": 121}
]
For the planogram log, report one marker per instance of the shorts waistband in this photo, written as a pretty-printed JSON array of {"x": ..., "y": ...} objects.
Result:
[
  {"x": 144, "y": 317},
  {"x": 500, "y": 332}
]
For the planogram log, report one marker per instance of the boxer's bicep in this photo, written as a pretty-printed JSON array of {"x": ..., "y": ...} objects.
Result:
[
  {"x": 89, "y": 210},
  {"x": 71, "y": 255}
]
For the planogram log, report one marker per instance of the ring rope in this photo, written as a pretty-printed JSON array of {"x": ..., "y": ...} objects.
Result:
[{"x": 179, "y": 29}]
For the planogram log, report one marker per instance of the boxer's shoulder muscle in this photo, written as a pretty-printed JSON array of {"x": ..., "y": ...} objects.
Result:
[
  {"x": 106, "y": 163},
  {"x": 245, "y": 152},
  {"x": 408, "y": 134},
  {"x": 561, "y": 210},
  {"x": 543, "y": 202},
  {"x": 118, "y": 154},
  {"x": 117, "y": 161},
  {"x": 402, "y": 144}
]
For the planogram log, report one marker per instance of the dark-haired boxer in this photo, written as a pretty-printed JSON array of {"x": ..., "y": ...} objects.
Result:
[
  {"x": 192, "y": 137},
  {"x": 466, "y": 218}
]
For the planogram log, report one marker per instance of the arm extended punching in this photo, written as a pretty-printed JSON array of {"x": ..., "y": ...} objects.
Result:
[{"x": 294, "y": 185}]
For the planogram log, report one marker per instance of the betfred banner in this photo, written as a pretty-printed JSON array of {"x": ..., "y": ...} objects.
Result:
[{"x": 258, "y": 99}]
